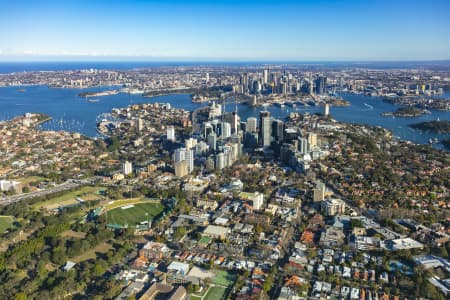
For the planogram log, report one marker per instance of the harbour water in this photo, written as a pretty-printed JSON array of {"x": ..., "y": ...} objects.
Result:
[{"x": 73, "y": 113}]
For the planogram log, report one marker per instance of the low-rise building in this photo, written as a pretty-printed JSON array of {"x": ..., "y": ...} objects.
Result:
[{"x": 216, "y": 232}]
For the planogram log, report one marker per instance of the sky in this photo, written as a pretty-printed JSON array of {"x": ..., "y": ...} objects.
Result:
[{"x": 219, "y": 30}]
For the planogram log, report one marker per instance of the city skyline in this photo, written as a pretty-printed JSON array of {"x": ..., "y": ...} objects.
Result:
[{"x": 225, "y": 31}]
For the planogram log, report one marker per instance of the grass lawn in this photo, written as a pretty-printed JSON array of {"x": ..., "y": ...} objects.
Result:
[
  {"x": 123, "y": 202},
  {"x": 195, "y": 298},
  {"x": 5, "y": 223},
  {"x": 215, "y": 293},
  {"x": 86, "y": 193},
  {"x": 224, "y": 278},
  {"x": 91, "y": 254},
  {"x": 135, "y": 214}
]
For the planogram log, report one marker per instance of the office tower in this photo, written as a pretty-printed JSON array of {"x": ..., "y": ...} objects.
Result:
[
  {"x": 190, "y": 160},
  {"x": 266, "y": 76},
  {"x": 286, "y": 152},
  {"x": 278, "y": 130},
  {"x": 225, "y": 130},
  {"x": 201, "y": 148},
  {"x": 265, "y": 131},
  {"x": 207, "y": 77},
  {"x": 251, "y": 124},
  {"x": 244, "y": 81},
  {"x": 127, "y": 168},
  {"x": 190, "y": 143},
  {"x": 256, "y": 87},
  {"x": 251, "y": 140},
  {"x": 235, "y": 151},
  {"x": 220, "y": 161},
  {"x": 208, "y": 128},
  {"x": 171, "y": 133},
  {"x": 274, "y": 78},
  {"x": 179, "y": 155},
  {"x": 283, "y": 88},
  {"x": 319, "y": 192},
  {"x": 212, "y": 141},
  {"x": 326, "y": 109},
  {"x": 321, "y": 85},
  {"x": 181, "y": 168},
  {"x": 303, "y": 145},
  {"x": 235, "y": 122},
  {"x": 312, "y": 139},
  {"x": 210, "y": 165}
]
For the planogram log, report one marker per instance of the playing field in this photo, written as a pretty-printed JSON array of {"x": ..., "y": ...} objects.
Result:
[
  {"x": 224, "y": 278},
  {"x": 5, "y": 223},
  {"x": 133, "y": 214},
  {"x": 215, "y": 293}
]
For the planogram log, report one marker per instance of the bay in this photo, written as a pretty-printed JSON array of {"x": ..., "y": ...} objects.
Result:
[{"x": 73, "y": 113}]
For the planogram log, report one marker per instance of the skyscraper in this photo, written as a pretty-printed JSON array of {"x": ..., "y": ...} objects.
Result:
[
  {"x": 171, "y": 133},
  {"x": 225, "y": 130},
  {"x": 303, "y": 145},
  {"x": 265, "y": 132},
  {"x": 251, "y": 124},
  {"x": 319, "y": 192},
  {"x": 190, "y": 143},
  {"x": 179, "y": 155},
  {"x": 212, "y": 141},
  {"x": 190, "y": 160},
  {"x": 220, "y": 161},
  {"x": 266, "y": 76},
  {"x": 278, "y": 130},
  {"x": 321, "y": 85}
]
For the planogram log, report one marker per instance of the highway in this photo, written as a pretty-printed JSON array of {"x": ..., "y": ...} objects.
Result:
[{"x": 68, "y": 185}]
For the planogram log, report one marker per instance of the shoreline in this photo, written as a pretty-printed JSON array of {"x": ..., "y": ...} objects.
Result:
[{"x": 343, "y": 119}]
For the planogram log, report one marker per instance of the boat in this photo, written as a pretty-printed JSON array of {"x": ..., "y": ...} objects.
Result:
[
  {"x": 21, "y": 90},
  {"x": 93, "y": 100},
  {"x": 433, "y": 141},
  {"x": 368, "y": 106}
]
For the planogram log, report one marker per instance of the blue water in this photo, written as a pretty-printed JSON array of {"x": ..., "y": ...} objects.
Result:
[
  {"x": 72, "y": 113},
  {"x": 12, "y": 67}
]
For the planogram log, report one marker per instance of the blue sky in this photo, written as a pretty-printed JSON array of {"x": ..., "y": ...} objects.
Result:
[{"x": 226, "y": 30}]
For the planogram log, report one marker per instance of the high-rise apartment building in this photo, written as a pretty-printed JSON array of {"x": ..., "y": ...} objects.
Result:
[
  {"x": 127, "y": 168},
  {"x": 265, "y": 132},
  {"x": 171, "y": 133}
]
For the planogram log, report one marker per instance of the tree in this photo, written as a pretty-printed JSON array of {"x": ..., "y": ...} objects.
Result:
[{"x": 20, "y": 296}]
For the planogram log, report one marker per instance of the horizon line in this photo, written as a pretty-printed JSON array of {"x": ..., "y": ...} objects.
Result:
[{"x": 146, "y": 59}]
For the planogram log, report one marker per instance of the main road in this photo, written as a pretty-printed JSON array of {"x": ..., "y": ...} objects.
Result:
[{"x": 68, "y": 185}]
